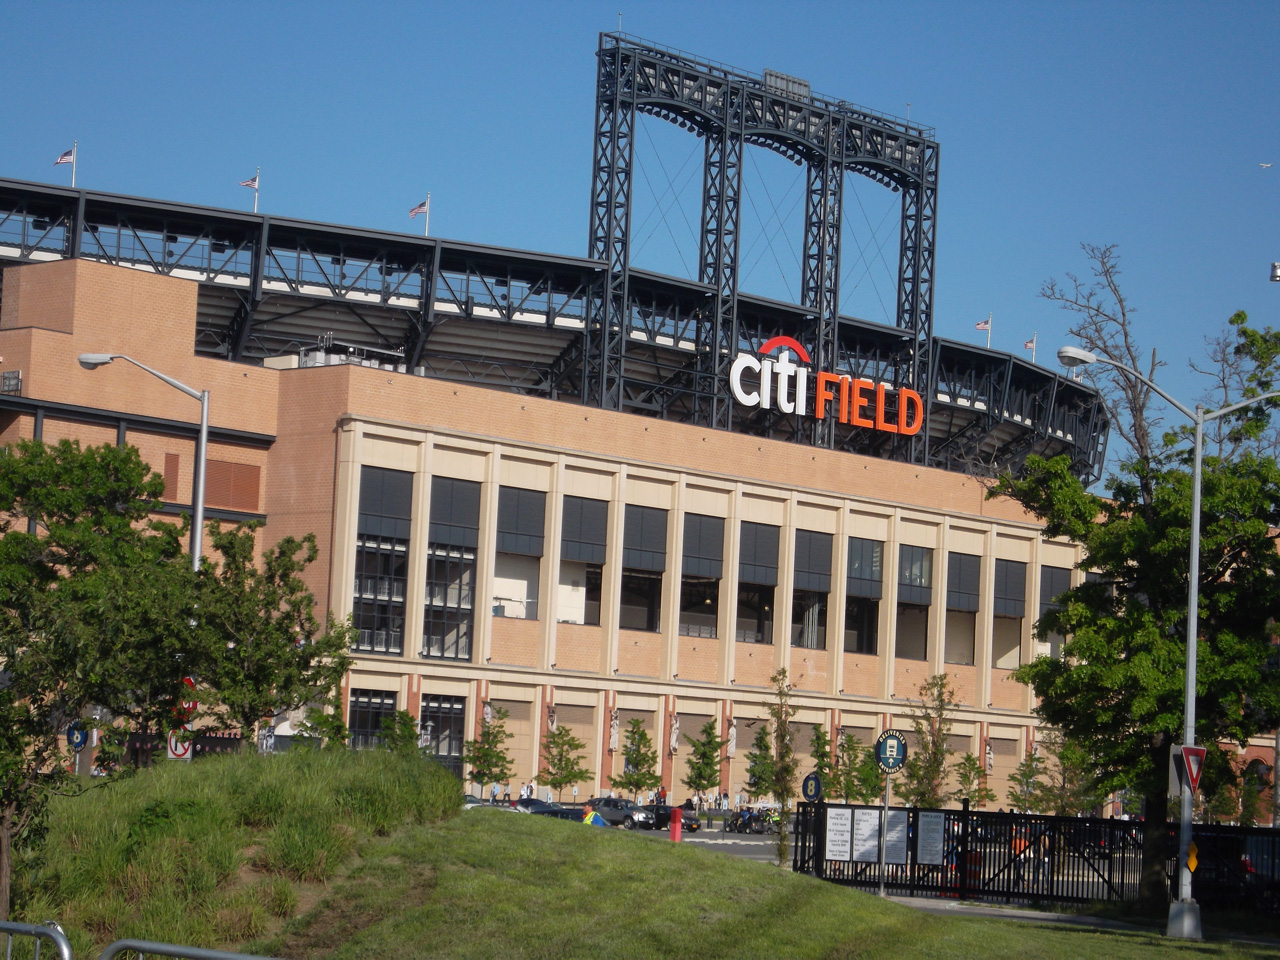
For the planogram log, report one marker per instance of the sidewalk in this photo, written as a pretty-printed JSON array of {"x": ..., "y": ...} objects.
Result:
[{"x": 995, "y": 911}]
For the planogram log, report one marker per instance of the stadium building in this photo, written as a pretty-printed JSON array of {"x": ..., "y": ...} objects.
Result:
[{"x": 568, "y": 488}]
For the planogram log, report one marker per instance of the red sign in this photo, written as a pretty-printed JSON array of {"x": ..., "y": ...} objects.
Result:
[
  {"x": 1193, "y": 763},
  {"x": 179, "y": 749}
]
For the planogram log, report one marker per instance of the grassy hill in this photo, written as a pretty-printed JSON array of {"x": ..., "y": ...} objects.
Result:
[{"x": 341, "y": 855}]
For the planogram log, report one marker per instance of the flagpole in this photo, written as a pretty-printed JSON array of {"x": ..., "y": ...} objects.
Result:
[
  {"x": 75, "y": 144},
  {"x": 989, "y": 331},
  {"x": 1034, "y": 337},
  {"x": 426, "y": 215},
  {"x": 257, "y": 182}
]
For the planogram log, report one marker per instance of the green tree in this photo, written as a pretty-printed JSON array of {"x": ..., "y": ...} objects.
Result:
[
  {"x": 1118, "y": 690},
  {"x": 561, "y": 760},
  {"x": 264, "y": 650},
  {"x": 971, "y": 777},
  {"x": 785, "y": 762},
  {"x": 760, "y": 764},
  {"x": 923, "y": 782},
  {"x": 86, "y": 580},
  {"x": 1070, "y": 787},
  {"x": 824, "y": 764},
  {"x": 400, "y": 733},
  {"x": 327, "y": 727},
  {"x": 1026, "y": 785},
  {"x": 704, "y": 759},
  {"x": 861, "y": 779},
  {"x": 639, "y": 761},
  {"x": 487, "y": 754}
]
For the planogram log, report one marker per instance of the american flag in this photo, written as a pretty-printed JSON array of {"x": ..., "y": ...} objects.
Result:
[
  {"x": 420, "y": 208},
  {"x": 252, "y": 182},
  {"x": 983, "y": 324},
  {"x": 1029, "y": 344},
  {"x": 68, "y": 157}
]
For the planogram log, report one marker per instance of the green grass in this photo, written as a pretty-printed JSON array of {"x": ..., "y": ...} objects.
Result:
[
  {"x": 347, "y": 856},
  {"x": 493, "y": 884},
  {"x": 218, "y": 851}
]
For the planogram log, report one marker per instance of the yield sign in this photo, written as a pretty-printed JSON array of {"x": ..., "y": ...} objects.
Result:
[{"x": 1193, "y": 762}]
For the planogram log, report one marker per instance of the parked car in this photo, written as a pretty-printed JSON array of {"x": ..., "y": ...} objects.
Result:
[
  {"x": 561, "y": 813},
  {"x": 471, "y": 803},
  {"x": 662, "y": 817},
  {"x": 534, "y": 805},
  {"x": 619, "y": 812}
]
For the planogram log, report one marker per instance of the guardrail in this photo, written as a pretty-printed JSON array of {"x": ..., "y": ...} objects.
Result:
[
  {"x": 50, "y": 931},
  {"x": 37, "y": 932}
]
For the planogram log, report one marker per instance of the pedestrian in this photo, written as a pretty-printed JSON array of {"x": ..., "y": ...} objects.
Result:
[
  {"x": 1043, "y": 848},
  {"x": 506, "y": 792},
  {"x": 493, "y": 794}
]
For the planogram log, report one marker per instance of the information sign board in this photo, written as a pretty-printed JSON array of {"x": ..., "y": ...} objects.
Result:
[{"x": 839, "y": 833}]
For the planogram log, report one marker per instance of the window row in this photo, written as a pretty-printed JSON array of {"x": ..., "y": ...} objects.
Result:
[{"x": 448, "y": 610}]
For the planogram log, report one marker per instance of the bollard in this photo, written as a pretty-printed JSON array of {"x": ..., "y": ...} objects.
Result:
[{"x": 677, "y": 824}]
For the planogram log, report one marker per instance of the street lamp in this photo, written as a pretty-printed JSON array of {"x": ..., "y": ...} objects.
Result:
[
  {"x": 92, "y": 361},
  {"x": 1184, "y": 914}
]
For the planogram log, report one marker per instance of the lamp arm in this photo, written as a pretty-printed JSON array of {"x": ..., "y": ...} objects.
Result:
[
  {"x": 176, "y": 384},
  {"x": 1190, "y": 415}
]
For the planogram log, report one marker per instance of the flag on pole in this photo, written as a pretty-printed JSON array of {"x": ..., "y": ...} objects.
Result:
[
  {"x": 420, "y": 208},
  {"x": 1029, "y": 344},
  {"x": 983, "y": 324},
  {"x": 251, "y": 183},
  {"x": 68, "y": 157}
]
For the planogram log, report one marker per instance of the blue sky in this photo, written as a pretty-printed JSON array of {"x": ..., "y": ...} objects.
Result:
[{"x": 1139, "y": 124}]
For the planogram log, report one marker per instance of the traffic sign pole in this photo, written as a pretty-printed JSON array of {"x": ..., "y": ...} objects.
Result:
[
  {"x": 891, "y": 754},
  {"x": 884, "y": 828}
]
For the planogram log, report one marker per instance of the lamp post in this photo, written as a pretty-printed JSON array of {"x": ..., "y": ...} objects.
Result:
[
  {"x": 1184, "y": 913},
  {"x": 91, "y": 361}
]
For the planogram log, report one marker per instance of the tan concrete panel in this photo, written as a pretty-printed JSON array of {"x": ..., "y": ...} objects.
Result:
[
  {"x": 762, "y": 509},
  {"x": 393, "y": 453},
  {"x": 819, "y": 517},
  {"x": 457, "y": 463},
  {"x": 707, "y": 501},
  {"x": 919, "y": 533},
  {"x": 648, "y": 492},
  {"x": 1014, "y": 548},
  {"x": 526, "y": 473},
  {"x": 962, "y": 540},
  {"x": 592, "y": 484}
]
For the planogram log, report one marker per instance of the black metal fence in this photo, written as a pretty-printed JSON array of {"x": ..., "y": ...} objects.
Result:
[{"x": 976, "y": 854}]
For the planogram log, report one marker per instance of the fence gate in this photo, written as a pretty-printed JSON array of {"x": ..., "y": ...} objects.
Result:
[{"x": 972, "y": 854}]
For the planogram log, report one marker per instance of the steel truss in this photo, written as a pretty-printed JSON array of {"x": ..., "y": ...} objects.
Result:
[{"x": 730, "y": 109}]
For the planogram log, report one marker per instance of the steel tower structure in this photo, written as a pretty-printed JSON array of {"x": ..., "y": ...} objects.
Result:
[{"x": 829, "y": 138}]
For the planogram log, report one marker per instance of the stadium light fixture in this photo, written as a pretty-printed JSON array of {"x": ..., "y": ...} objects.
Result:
[{"x": 92, "y": 361}]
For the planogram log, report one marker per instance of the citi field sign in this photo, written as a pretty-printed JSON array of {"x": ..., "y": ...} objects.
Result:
[{"x": 768, "y": 382}]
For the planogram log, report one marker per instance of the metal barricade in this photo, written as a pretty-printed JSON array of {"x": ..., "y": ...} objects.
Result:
[
  {"x": 38, "y": 933},
  {"x": 143, "y": 948}
]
